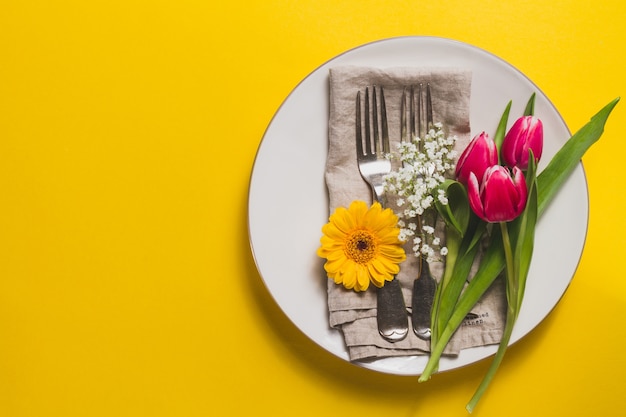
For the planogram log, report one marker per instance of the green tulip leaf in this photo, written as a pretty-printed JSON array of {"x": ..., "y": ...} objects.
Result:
[
  {"x": 501, "y": 130},
  {"x": 456, "y": 213},
  {"x": 530, "y": 106},
  {"x": 567, "y": 158},
  {"x": 524, "y": 235},
  {"x": 525, "y": 244}
]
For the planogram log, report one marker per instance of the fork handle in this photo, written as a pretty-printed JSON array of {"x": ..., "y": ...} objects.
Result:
[{"x": 424, "y": 288}]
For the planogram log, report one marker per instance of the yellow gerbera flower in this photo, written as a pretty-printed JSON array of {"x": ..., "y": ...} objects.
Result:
[{"x": 361, "y": 245}]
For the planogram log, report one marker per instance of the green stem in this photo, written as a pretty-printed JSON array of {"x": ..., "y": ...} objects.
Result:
[
  {"x": 497, "y": 360},
  {"x": 511, "y": 317},
  {"x": 435, "y": 353},
  {"x": 454, "y": 288},
  {"x": 508, "y": 255},
  {"x": 464, "y": 249},
  {"x": 475, "y": 289},
  {"x": 453, "y": 243},
  {"x": 451, "y": 257},
  {"x": 491, "y": 266}
]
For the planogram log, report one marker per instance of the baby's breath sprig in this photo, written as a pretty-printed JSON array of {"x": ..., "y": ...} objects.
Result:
[{"x": 424, "y": 166}]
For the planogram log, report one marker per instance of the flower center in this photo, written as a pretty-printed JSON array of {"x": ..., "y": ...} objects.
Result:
[{"x": 361, "y": 246}]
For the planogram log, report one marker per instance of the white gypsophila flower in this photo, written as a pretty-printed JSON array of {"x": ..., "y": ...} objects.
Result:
[
  {"x": 425, "y": 163},
  {"x": 427, "y": 251},
  {"x": 429, "y": 230},
  {"x": 442, "y": 197}
]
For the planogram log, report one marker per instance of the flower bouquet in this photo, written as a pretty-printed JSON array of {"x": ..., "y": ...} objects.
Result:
[
  {"x": 511, "y": 197},
  {"x": 488, "y": 199}
]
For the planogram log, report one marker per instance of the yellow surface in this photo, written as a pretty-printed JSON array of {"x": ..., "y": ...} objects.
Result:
[{"x": 127, "y": 287}]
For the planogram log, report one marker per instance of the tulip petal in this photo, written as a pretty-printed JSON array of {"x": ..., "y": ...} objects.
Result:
[
  {"x": 473, "y": 194},
  {"x": 519, "y": 181},
  {"x": 496, "y": 195},
  {"x": 480, "y": 154},
  {"x": 526, "y": 133},
  {"x": 536, "y": 138},
  {"x": 500, "y": 196}
]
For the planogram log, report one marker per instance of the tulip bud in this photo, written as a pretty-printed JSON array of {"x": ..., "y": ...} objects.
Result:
[
  {"x": 480, "y": 154},
  {"x": 500, "y": 197},
  {"x": 526, "y": 133}
]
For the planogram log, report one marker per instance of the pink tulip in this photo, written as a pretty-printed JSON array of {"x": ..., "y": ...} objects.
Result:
[
  {"x": 480, "y": 154},
  {"x": 500, "y": 197},
  {"x": 526, "y": 133}
]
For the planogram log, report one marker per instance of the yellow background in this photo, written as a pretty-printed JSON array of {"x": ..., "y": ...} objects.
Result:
[{"x": 128, "y": 131}]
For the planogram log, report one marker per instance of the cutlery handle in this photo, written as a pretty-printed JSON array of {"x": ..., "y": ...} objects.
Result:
[
  {"x": 424, "y": 288},
  {"x": 391, "y": 314}
]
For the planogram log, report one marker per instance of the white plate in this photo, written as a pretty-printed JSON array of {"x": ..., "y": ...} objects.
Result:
[{"x": 288, "y": 203}]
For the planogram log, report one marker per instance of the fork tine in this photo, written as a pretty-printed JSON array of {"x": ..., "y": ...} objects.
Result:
[
  {"x": 403, "y": 121},
  {"x": 375, "y": 131},
  {"x": 419, "y": 111},
  {"x": 429, "y": 109},
  {"x": 368, "y": 139},
  {"x": 359, "y": 135},
  {"x": 383, "y": 122},
  {"x": 412, "y": 113}
]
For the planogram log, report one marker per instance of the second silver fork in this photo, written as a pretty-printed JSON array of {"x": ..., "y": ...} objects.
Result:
[{"x": 420, "y": 121}]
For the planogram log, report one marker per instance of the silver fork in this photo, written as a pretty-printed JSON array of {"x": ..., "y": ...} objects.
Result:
[
  {"x": 391, "y": 315},
  {"x": 424, "y": 287}
]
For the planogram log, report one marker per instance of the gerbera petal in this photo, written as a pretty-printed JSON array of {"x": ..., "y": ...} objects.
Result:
[
  {"x": 371, "y": 216},
  {"x": 333, "y": 266},
  {"x": 393, "y": 253},
  {"x": 329, "y": 242},
  {"x": 388, "y": 267},
  {"x": 333, "y": 254},
  {"x": 348, "y": 276},
  {"x": 362, "y": 277},
  {"x": 379, "y": 220},
  {"x": 389, "y": 236},
  {"x": 342, "y": 220},
  {"x": 348, "y": 219},
  {"x": 379, "y": 272},
  {"x": 357, "y": 210},
  {"x": 333, "y": 231}
]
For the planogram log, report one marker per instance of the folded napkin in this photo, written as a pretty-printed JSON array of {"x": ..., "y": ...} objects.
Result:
[{"x": 354, "y": 314}]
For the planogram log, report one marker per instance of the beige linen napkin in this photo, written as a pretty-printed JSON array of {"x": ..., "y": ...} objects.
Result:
[{"x": 354, "y": 314}]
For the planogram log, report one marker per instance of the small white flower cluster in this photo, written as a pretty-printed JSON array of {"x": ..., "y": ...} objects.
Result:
[{"x": 425, "y": 164}]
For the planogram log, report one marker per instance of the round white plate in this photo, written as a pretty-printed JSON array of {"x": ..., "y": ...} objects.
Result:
[{"x": 288, "y": 203}]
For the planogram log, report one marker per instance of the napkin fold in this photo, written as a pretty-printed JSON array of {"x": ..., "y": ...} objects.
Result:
[{"x": 354, "y": 314}]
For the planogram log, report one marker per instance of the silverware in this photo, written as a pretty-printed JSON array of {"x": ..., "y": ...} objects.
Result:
[
  {"x": 424, "y": 287},
  {"x": 392, "y": 316}
]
